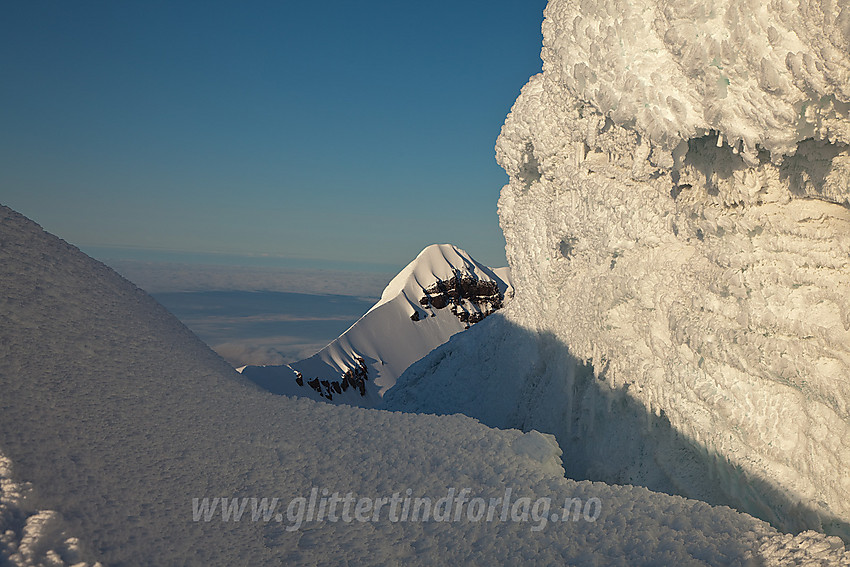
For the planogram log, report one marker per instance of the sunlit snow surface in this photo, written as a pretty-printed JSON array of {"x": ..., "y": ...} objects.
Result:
[
  {"x": 113, "y": 416},
  {"x": 707, "y": 284}
]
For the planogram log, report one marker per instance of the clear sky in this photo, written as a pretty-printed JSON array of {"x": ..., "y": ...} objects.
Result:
[{"x": 326, "y": 132}]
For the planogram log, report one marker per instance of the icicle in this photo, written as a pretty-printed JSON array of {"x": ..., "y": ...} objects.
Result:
[
  {"x": 592, "y": 131},
  {"x": 639, "y": 159},
  {"x": 579, "y": 152},
  {"x": 750, "y": 155}
]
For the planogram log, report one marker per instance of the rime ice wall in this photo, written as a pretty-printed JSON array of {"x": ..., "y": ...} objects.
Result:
[
  {"x": 766, "y": 73},
  {"x": 677, "y": 215}
]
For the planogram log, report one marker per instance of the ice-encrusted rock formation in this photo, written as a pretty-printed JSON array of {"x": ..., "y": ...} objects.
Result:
[{"x": 677, "y": 217}]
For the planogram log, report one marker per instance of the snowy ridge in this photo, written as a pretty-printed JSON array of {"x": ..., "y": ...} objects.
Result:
[
  {"x": 435, "y": 262},
  {"x": 440, "y": 293},
  {"x": 686, "y": 312},
  {"x": 118, "y": 417}
]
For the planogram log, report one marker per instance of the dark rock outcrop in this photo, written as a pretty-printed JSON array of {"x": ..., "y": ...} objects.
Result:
[
  {"x": 469, "y": 298},
  {"x": 353, "y": 378}
]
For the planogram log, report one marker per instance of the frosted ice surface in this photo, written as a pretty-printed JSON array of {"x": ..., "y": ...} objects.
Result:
[
  {"x": 761, "y": 73},
  {"x": 540, "y": 447},
  {"x": 31, "y": 537}
]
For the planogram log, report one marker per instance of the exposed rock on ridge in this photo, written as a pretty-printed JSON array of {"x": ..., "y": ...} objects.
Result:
[{"x": 470, "y": 298}]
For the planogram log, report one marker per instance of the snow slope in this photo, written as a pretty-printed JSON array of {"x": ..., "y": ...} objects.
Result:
[
  {"x": 412, "y": 317},
  {"x": 678, "y": 234},
  {"x": 113, "y": 417}
]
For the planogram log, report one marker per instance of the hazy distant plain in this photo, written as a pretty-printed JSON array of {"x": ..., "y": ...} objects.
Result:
[{"x": 265, "y": 327}]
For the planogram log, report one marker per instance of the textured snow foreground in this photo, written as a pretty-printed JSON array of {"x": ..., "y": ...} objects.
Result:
[
  {"x": 678, "y": 232},
  {"x": 114, "y": 417}
]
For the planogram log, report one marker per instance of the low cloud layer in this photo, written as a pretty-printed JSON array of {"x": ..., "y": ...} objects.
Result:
[
  {"x": 160, "y": 277},
  {"x": 248, "y": 327},
  {"x": 268, "y": 351}
]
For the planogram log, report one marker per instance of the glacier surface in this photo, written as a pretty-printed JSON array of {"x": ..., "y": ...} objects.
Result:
[{"x": 678, "y": 232}]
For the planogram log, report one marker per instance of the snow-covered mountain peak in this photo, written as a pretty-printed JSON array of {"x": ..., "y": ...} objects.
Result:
[
  {"x": 437, "y": 262},
  {"x": 441, "y": 292}
]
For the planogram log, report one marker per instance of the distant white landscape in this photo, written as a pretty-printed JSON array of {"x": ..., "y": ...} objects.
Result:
[
  {"x": 252, "y": 314},
  {"x": 264, "y": 327}
]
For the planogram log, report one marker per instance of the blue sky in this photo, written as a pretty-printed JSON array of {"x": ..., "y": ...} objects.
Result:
[{"x": 339, "y": 133}]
